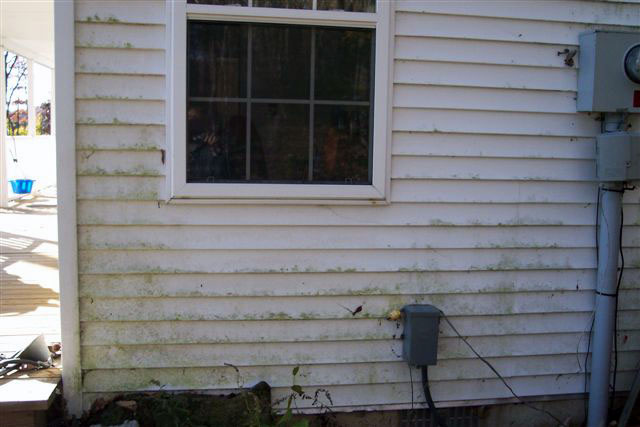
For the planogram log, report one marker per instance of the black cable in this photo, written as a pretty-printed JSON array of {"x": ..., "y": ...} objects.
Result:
[
  {"x": 586, "y": 356},
  {"x": 490, "y": 366},
  {"x": 411, "y": 411},
  {"x": 615, "y": 327},
  {"x": 433, "y": 412},
  {"x": 586, "y": 359}
]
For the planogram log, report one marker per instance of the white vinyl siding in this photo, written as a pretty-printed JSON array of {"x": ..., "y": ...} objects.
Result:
[{"x": 491, "y": 218}]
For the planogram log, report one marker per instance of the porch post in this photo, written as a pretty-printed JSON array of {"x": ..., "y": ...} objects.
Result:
[{"x": 4, "y": 184}]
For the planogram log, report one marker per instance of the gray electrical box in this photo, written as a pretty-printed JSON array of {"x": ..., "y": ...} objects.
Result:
[
  {"x": 608, "y": 68},
  {"x": 421, "y": 328},
  {"x": 618, "y": 156}
]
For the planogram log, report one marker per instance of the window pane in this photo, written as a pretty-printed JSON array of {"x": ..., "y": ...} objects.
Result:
[
  {"x": 220, "y": 2},
  {"x": 15, "y": 68},
  {"x": 341, "y": 144},
  {"x": 217, "y": 59},
  {"x": 281, "y": 61},
  {"x": 279, "y": 142},
  {"x": 287, "y": 4},
  {"x": 216, "y": 141},
  {"x": 343, "y": 64},
  {"x": 348, "y": 5}
]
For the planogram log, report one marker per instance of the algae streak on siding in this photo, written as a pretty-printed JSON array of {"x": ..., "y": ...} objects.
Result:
[{"x": 491, "y": 219}]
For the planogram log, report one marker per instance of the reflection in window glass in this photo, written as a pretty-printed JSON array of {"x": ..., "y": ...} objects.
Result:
[
  {"x": 348, "y": 5},
  {"x": 284, "y": 4},
  {"x": 279, "y": 142},
  {"x": 15, "y": 68},
  {"x": 220, "y": 2},
  {"x": 216, "y": 141},
  {"x": 341, "y": 144},
  {"x": 343, "y": 64},
  {"x": 281, "y": 61},
  {"x": 217, "y": 63},
  {"x": 42, "y": 98},
  {"x": 266, "y": 115}
]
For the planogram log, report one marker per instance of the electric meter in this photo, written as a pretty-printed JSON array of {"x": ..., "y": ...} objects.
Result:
[
  {"x": 609, "y": 73},
  {"x": 632, "y": 64}
]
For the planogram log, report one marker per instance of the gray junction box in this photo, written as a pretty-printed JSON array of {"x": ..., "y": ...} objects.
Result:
[
  {"x": 618, "y": 156},
  {"x": 421, "y": 328},
  {"x": 603, "y": 83}
]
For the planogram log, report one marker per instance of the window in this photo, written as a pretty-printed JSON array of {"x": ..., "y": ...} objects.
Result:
[{"x": 284, "y": 99}]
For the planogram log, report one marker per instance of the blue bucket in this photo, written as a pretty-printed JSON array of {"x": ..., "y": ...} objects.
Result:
[{"x": 21, "y": 186}]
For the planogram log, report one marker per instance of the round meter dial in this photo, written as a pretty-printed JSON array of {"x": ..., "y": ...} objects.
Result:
[{"x": 632, "y": 64}]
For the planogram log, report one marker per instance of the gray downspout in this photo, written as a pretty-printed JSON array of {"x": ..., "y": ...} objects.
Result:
[{"x": 607, "y": 276}]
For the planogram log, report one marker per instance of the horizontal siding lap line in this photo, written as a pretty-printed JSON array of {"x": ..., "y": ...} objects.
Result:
[
  {"x": 330, "y": 284},
  {"x": 112, "y": 124},
  {"x": 118, "y": 12},
  {"x": 120, "y": 61},
  {"x": 400, "y": 154},
  {"x": 120, "y": 48},
  {"x": 568, "y": 12},
  {"x": 573, "y": 114},
  {"x": 117, "y": 74},
  {"x": 346, "y": 341},
  {"x": 117, "y": 213},
  {"x": 493, "y": 28},
  {"x": 118, "y": 149},
  {"x": 165, "y": 332},
  {"x": 446, "y": 393},
  {"x": 436, "y": 49},
  {"x": 483, "y": 99},
  {"x": 150, "y": 386},
  {"x": 120, "y": 333},
  {"x": 99, "y": 98},
  {"x": 483, "y": 75},
  {"x": 455, "y": 62},
  {"x": 401, "y": 32},
  {"x": 307, "y": 353},
  {"x": 568, "y": 92},
  {"x": 488, "y": 87},
  {"x": 378, "y": 373},
  {"x": 359, "y": 297},
  {"x": 205, "y": 308},
  {"x": 91, "y": 21}
]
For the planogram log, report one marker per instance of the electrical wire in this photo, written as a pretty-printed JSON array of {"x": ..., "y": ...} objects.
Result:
[
  {"x": 586, "y": 359},
  {"x": 500, "y": 377},
  {"x": 586, "y": 356},
  {"x": 435, "y": 418},
  {"x": 615, "y": 335},
  {"x": 412, "y": 401}
]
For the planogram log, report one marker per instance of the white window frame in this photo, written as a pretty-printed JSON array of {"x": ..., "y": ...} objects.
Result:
[{"x": 178, "y": 188}]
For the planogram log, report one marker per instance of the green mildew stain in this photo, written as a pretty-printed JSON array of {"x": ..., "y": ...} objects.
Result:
[
  {"x": 439, "y": 222},
  {"x": 96, "y": 18},
  {"x": 507, "y": 262},
  {"x": 137, "y": 170},
  {"x": 510, "y": 244},
  {"x": 530, "y": 221},
  {"x": 365, "y": 291},
  {"x": 111, "y": 98},
  {"x": 341, "y": 270},
  {"x": 86, "y": 121},
  {"x": 93, "y": 171},
  {"x": 128, "y": 45},
  {"x": 142, "y": 195},
  {"x": 281, "y": 315}
]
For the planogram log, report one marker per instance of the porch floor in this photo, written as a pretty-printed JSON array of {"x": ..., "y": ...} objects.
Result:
[{"x": 29, "y": 288}]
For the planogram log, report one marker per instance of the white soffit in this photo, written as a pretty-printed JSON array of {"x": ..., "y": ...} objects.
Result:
[{"x": 26, "y": 28}]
